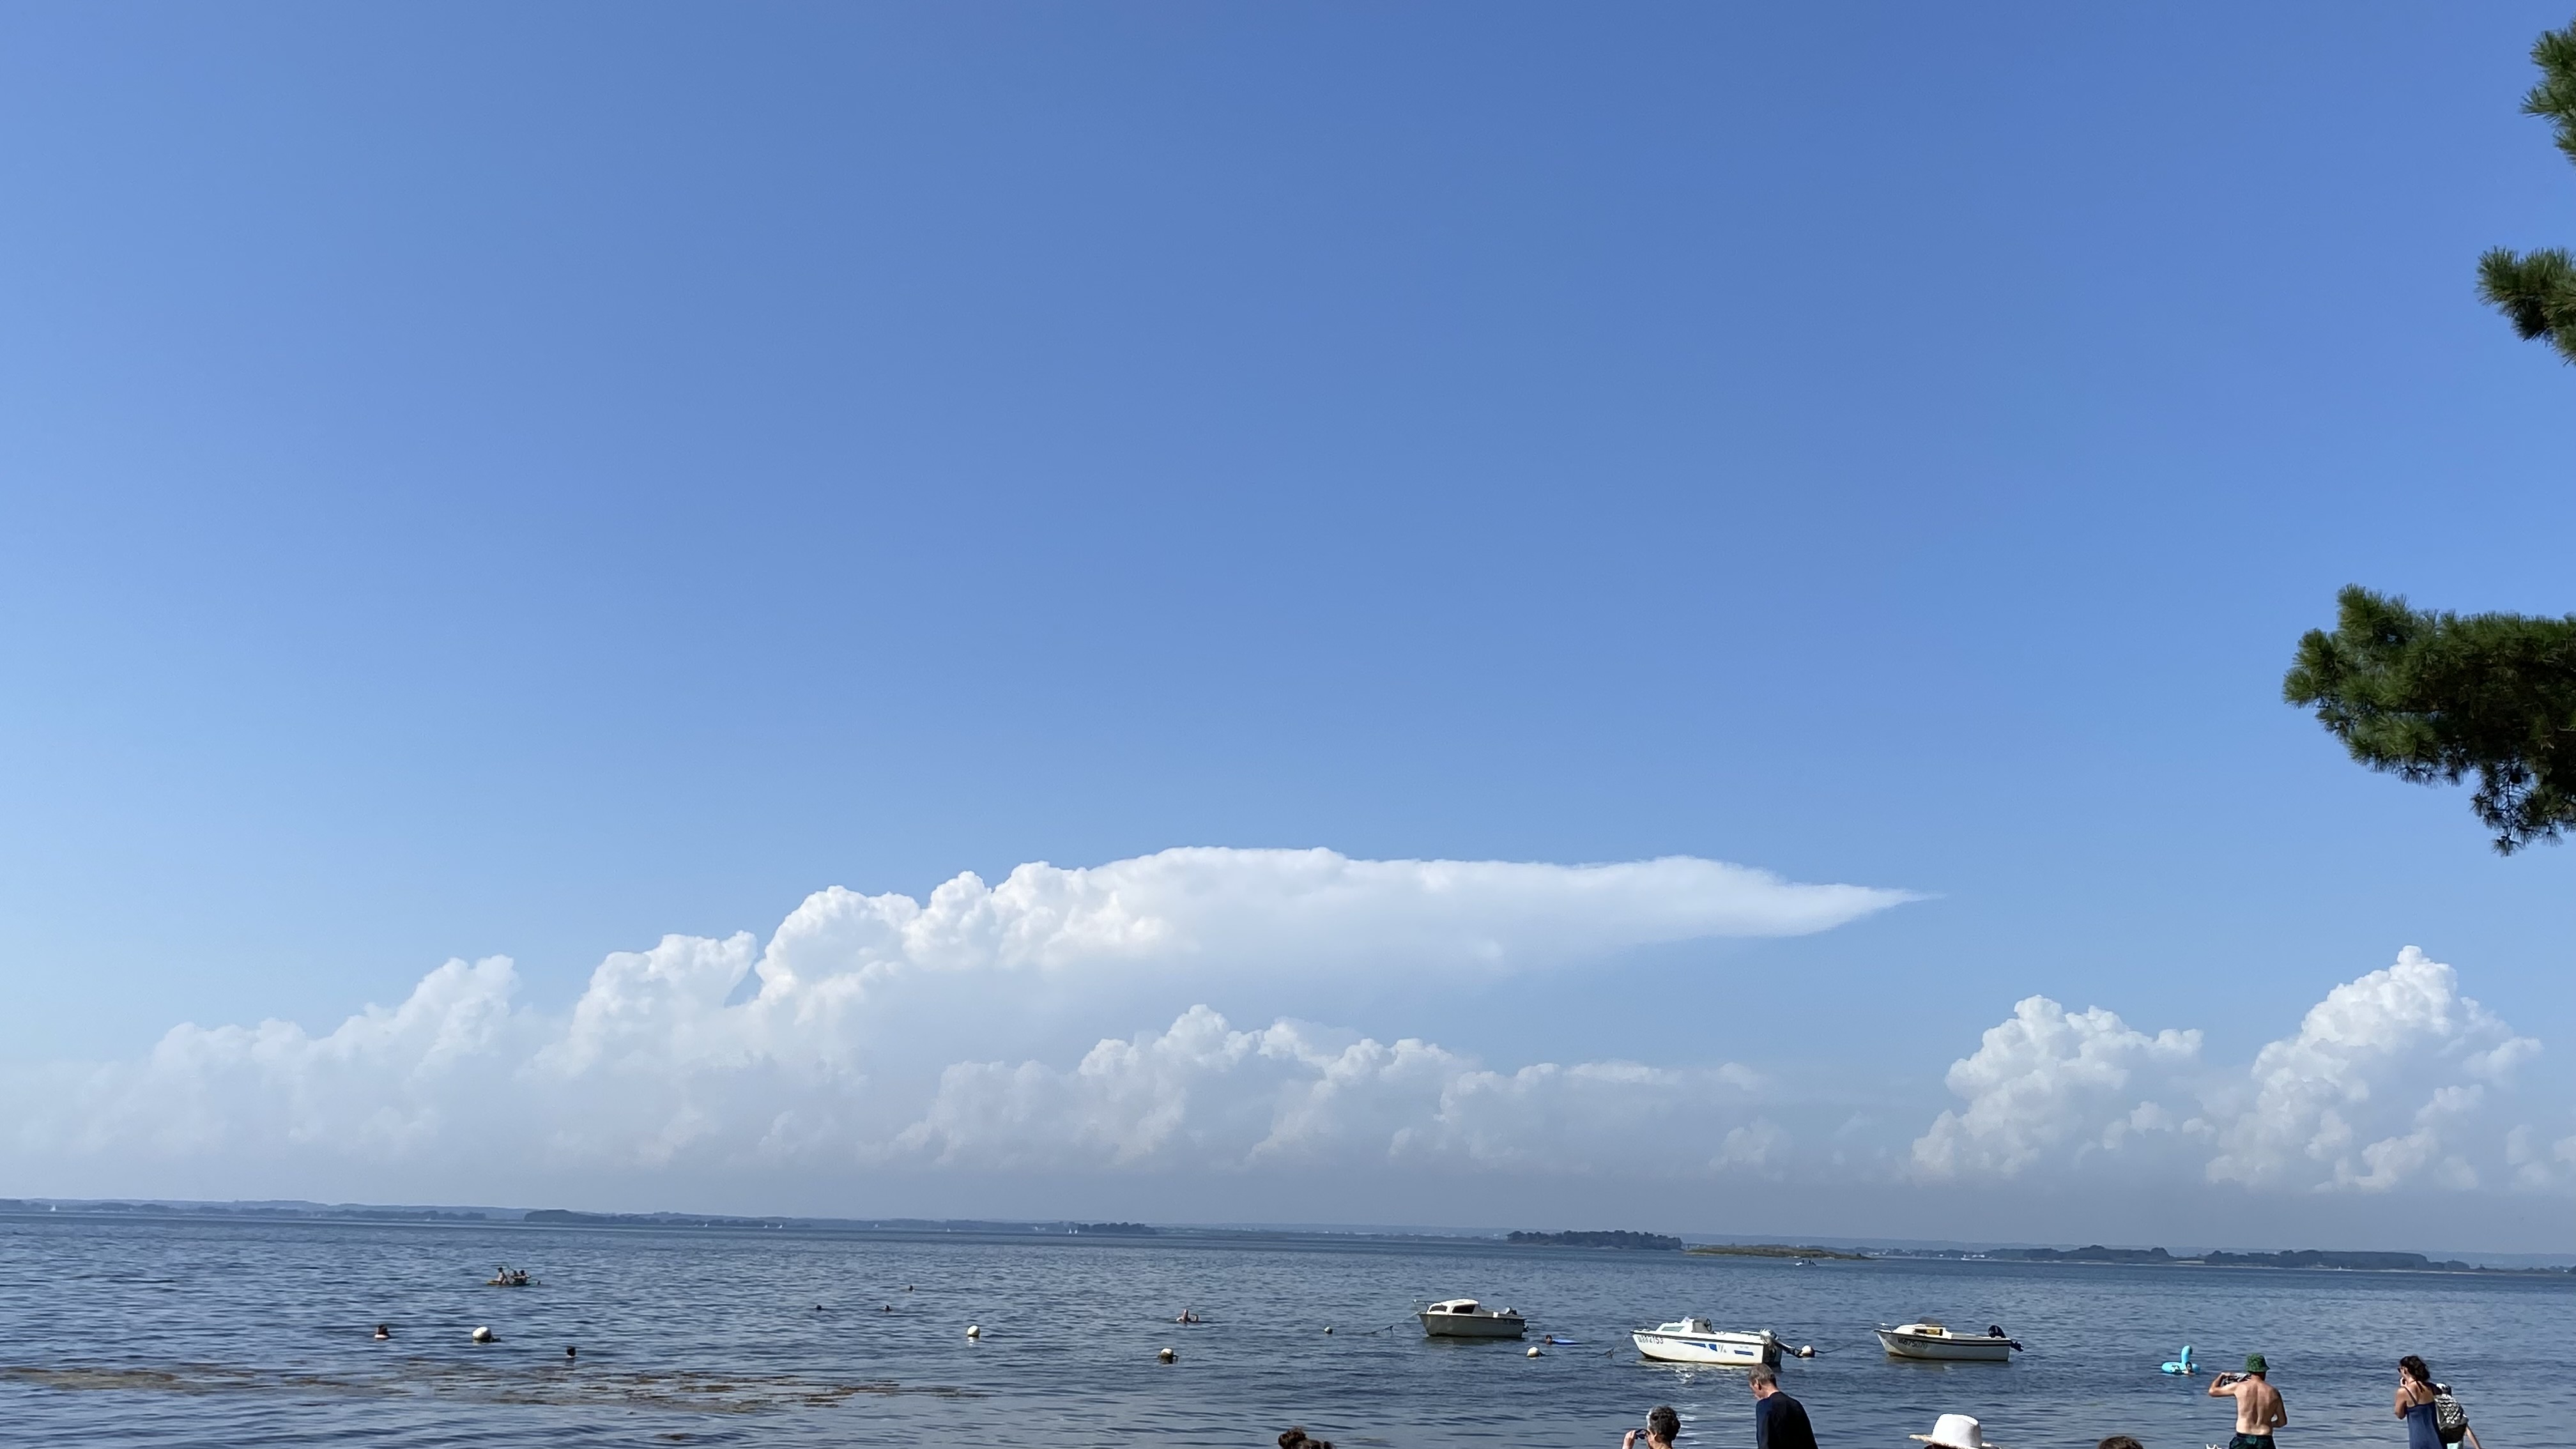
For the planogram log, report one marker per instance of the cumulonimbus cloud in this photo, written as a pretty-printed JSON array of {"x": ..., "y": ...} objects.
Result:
[
  {"x": 2386, "y": 1083},
  {"x": 852, "y": 1035},
  {"x": 1314, "y": 909}
]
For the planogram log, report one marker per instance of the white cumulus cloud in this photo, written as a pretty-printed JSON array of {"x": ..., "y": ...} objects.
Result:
[
  {"x": 1204, "y": 1095},
  {"x": 2386, "y": 1083},
  {"x": 2535, "y": 1163},
  {"x": 2049, "y": 1080},
  {"x": 2376, "y": 1088},
  {"x": 382, "y": 1084}
]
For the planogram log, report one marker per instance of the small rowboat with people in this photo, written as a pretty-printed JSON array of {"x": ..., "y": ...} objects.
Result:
[
  {"x": 1927, "y": 1338},
  {"x": 1466, "y": 1318},
  {"x": 505, "y": 1276}
]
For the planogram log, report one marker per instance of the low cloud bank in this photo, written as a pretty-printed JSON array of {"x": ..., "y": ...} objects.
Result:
[{"x": 1204, "y": 1095}]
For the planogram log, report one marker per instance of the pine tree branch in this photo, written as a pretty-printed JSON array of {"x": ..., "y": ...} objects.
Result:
[{"x": 2536, "y": 291}]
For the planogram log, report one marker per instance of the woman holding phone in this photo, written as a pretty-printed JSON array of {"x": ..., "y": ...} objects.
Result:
[{"x": 2416, "y": 1392}]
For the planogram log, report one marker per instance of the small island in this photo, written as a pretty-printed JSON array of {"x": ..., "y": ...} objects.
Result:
[
  {"x": 1648, "y": 1242},
  {"x": 2364, "y": 1262},
  {"x": 2095, "y": 1253},
  {"x": 2349, "y": 1262},
  {"x": 1775, "y": 1250}
]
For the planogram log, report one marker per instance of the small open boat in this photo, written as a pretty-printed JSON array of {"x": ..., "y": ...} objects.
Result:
[
  {"x": 508, "y": 1277},
  {"x": 1927, "y": 1338},
  {"x": 1465, "y": 1318},
  {"x": 1696, "y": 1340}
]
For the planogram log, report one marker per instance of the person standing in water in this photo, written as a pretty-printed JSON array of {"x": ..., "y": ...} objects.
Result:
[
  {"x": 2259, "y": 1409},
  {"x": 2416, "y": 1392}
]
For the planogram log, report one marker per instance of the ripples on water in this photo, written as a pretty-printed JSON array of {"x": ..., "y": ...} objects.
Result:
[{"x": 117, "y": 1331}]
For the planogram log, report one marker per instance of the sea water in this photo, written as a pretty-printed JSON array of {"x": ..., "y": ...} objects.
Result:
[{"x": 119, "y": 1330}]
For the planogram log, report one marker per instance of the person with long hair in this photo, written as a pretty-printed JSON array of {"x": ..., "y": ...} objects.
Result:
[
  {"x": 2416, "y": 1392},
  {"x": 2415, "y": 1395}
]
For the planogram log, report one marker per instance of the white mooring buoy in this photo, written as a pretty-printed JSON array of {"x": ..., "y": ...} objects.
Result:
[
  {"x": 483, "y": 1335},
  {"x": 974, "y": 1331}
]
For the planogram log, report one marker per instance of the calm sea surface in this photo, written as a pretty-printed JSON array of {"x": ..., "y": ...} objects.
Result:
[{"x": 118, "y": 1331}]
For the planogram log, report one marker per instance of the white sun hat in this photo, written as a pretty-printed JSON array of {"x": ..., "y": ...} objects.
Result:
[{"x": 1956, "y": 1431}]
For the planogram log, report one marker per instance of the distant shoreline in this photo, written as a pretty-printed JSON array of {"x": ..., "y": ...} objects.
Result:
[
  {"x": 1619, "y": 1241},
  {"x": 1776, "y": 1250},
  {"x": 2306, "y": 1260},
  {"x": 557, "y": 1219}
]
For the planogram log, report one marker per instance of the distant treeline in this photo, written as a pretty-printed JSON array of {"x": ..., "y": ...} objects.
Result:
[
  {"x": 564, "y": 1218},
  {"x": 2095, "y": 1254},
  {"x": 1776, "y": 1250},
  {"x": 2311, "y": 1258},
  {"x": 561, "y": 1218},
  {"x": 250, "y": 1210},
  {"x": 1655, "y": 1242},
  {"x": 2302, "y": 1258}
]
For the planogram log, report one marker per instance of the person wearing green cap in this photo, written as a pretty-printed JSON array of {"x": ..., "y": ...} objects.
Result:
[{"x": 2258, "y": 1405}]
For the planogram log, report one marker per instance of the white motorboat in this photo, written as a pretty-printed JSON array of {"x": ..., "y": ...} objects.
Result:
[
  {"x": 1466, "y": 1318},
  {"x": 1696, "y": 1340},
  {"x": 1929, "y": 1339}
]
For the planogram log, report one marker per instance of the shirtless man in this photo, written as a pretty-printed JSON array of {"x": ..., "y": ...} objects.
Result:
[{"x": 2258, "y": 1404}]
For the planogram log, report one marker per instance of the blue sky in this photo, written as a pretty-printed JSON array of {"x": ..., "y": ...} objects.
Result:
[{"x": 482, "y": 481}]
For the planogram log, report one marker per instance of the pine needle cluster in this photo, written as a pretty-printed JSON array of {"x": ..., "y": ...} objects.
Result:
[
  {"x": 2536, "y": 290},
  {"x": 2435, "y": 698}
]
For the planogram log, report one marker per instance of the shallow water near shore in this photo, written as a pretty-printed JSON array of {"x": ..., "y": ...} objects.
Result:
[{"x": 119, "y": 1331}]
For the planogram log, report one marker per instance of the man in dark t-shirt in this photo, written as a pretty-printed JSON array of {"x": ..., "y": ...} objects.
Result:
[{"x": 1779, "y": 1422}]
